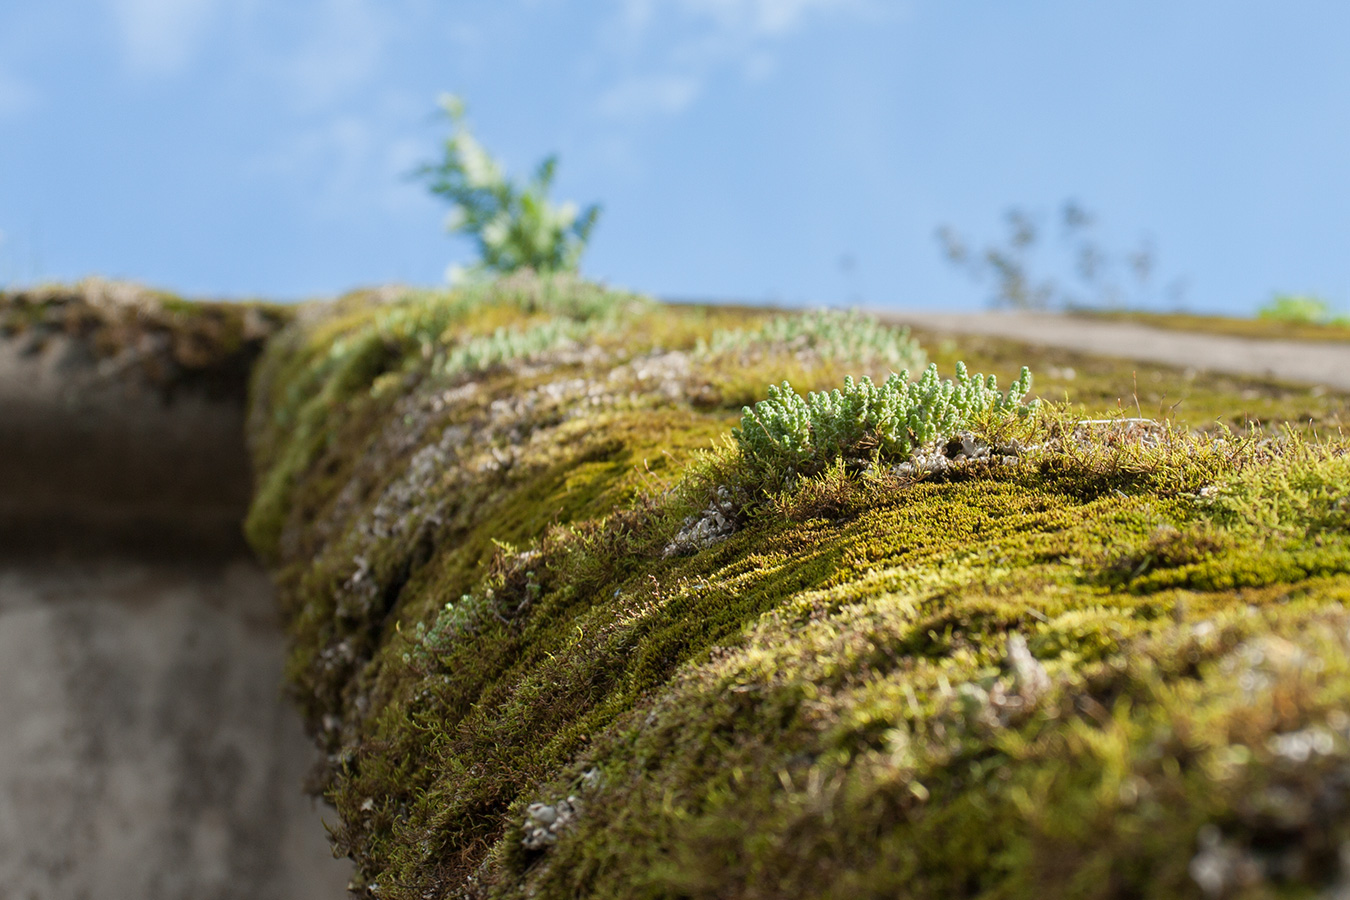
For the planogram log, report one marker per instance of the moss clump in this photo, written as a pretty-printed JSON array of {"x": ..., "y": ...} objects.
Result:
[
  {"x": 170, "y": 343},
  {"x": 559, "y": 640}
]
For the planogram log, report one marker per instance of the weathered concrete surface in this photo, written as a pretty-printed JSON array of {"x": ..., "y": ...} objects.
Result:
[
  {"x": 1305, "y": 361},
  {"x": 145, "y": 752},
  {"x": 145, "y": 749}
]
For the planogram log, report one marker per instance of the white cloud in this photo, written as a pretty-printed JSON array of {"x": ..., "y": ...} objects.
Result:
[
  {"x": 733, "y": 19},
  {"x": 319, "y": 49},
  {"x": 760, "y": 17},
  {"x": 641, "y": 95},
  {"x": 349, "y": 162},
  {"x": 161, "y": 36},
  {"x": 15, "y": 96},
  {"x": 465, "y": 36},
  {"x": 672, "y": 48},
  {"x": 343, "y": 50},
  {"x": 328, "y": 161}
]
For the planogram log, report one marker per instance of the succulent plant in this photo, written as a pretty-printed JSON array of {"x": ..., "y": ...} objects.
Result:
[
  {"x": 789, "y": 433},
  {"x": 831, "y": 334}
]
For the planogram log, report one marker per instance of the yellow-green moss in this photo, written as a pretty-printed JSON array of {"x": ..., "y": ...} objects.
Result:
[
  {"x": 1094, "y": 386},
  {"x": 1090, "y": 669},
  {"x": 1258, "y": 328}
]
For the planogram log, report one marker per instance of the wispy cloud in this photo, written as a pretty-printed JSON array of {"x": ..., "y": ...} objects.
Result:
[
  {"x": 670, "y": 49},
  {"x": 640, "y": 95},
  {"x": 319, "y": 50},
  {"x": 161, "y": 36},
  {"x": 349, "y": 161},
  {"x": 318, "y": 65},
  {"x": 343, "y": 50},
  {"x": 15, "y": 96},
  {"x": 754, "y": 17}
]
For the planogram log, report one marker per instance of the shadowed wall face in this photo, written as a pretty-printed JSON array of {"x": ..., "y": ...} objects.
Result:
[
  {"x": 94, "y": 463},
  {"x": 121, "y": 419}
]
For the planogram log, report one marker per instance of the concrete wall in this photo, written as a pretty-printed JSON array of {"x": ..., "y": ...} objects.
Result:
[{"x": 145, "y": 749}]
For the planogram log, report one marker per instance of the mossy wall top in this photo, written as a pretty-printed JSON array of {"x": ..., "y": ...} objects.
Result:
[
  {"x": 558, "y": 640},
  {"x": 168, "y": 343}
]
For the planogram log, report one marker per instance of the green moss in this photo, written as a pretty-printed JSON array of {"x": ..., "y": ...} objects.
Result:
[
  {"x": 1113, "y": 664},
  {"x": 169, "y": 343},
  {"x": 1258, "y": 328},
  {"x": 1092, "y": 386}
]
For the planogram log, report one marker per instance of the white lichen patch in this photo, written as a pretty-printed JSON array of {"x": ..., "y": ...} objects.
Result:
[
  {"x": 1112, "y": 432},
  {"x": 962, "y": 447},
  {"x": 713, "y": 525},
  {"x": 545, "y": 821}
]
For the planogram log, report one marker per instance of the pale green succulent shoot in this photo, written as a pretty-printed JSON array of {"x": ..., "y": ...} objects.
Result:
[
  {"x": 506, "y": 345},
  {"x": 788, "y": 433},
  {"x": 831, "y": 334}
]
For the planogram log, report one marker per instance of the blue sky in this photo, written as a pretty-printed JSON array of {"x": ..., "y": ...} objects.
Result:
[{"x": 801, "y": 151}]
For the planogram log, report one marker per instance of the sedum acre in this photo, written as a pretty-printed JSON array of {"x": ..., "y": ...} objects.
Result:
[
  {"x": 830, "y": 334},
  {"x": 788, "y": 433},
  {"x": 506, "y": 345}
]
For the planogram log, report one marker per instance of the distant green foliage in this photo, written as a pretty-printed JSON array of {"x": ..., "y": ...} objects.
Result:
[
  {"x": 1300, "y": 309},
  {"x": 833, "y": 335},
  {"x": 579, "y": 308},
  {"x": 791, "y": 433},
  {"x": 515, "y": 226}
]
